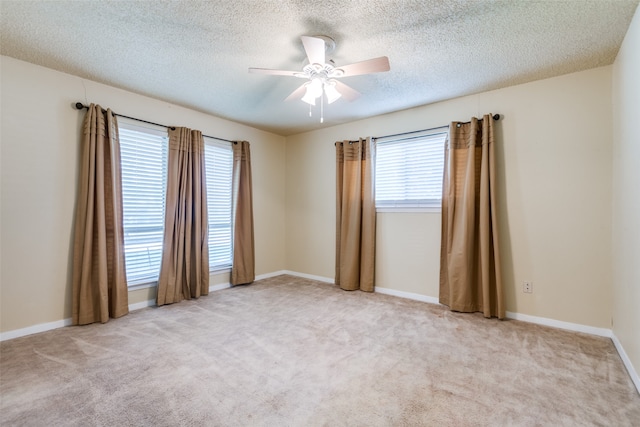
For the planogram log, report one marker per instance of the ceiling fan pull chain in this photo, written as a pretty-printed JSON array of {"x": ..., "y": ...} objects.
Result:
[{"x": 322, "y": 75}]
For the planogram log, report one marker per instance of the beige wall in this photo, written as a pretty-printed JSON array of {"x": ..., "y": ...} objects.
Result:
[
  {"x": 626, "y": 194},
  {"x": 554, "y": 154},
  {"x": 40, "y": 146},
  {"x": 554, "y": 193}
]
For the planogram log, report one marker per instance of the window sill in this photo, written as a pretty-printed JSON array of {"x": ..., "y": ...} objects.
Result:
[
  {"x": 139, "y": 286},
  {"x": 410, "y": 209},
  {"x": 154, "y": 284}
]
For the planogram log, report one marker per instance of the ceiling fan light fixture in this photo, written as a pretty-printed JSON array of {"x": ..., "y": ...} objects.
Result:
[
  {"x": 315, "y": 87},
  {"x": 323, "y": 74},
  {"x": 331, "y": 92},
  {"x": 309, "y": 98},
  {"x": 314, "y": 91}
]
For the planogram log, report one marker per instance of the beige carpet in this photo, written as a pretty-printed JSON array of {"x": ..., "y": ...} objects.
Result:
[{"x": 293, "y": 352}]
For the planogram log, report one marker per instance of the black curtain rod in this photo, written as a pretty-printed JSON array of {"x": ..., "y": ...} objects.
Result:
[
  {"x": 494, "y": 117},
  {"x": 80, "y": 106}
]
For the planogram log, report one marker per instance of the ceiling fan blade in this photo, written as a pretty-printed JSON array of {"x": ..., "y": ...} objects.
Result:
[
  {"x": 347, "y": 92},
  {"x": 273, "y": 72},
  {"x": 375, "y": 65},
  {"x": 314, "y": 47},
  {"x": 298, "y": 93}
]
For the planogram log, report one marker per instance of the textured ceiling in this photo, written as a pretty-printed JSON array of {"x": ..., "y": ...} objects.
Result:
[{"x": 196, "y": 53}]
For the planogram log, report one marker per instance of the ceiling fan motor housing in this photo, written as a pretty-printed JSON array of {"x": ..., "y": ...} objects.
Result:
[
  {"x": 329, "y": 43},
  {"x": 320, "y": 71},
  {"x": 322, "y": 75}
]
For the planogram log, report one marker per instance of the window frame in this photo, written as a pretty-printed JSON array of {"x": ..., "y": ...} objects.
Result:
[
  {"x": 220, "y": 268},
  {"x": 157, "y": 130},
  {"x": 407, "y": 205}
]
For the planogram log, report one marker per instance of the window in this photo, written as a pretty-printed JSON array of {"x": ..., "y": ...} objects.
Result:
[
  {"x": 143, "y": 156},
  {"x": 408, "y": 172},
  {"x": 219, "y": 164}
]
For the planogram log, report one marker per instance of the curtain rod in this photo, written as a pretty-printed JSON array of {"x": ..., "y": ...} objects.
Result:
[
  {"x": 494, "y": 117},
  {"x": 80, "y": 106}
]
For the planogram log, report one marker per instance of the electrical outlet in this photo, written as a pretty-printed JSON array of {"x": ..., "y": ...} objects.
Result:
[{"x": 527, "y": 287}]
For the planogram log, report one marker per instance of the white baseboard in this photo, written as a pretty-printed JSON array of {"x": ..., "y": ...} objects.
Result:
[
  {"x": 143, "y": 304},
  {"x": 603, "y": 332},
  {"x": 408, "y": 295},
  {"x": 273, "y": 274},
  {"x": 386, "y": 291},
  {"x": 219, "y": 287},
  {"x": 152, "y": 302},
  {"x": 575, "y": 327},
  {"x": 43, "y": 327},
  {"x": 626, "y": 361},
  {"x": 258, "y": 277},
  {"x": 30, "y": 330},
  {"x": 309, "y": 276}
]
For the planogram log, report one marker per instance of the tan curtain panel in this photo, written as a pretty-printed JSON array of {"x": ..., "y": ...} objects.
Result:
[
  {"x": 355, "y": 215},
  {"x": 470, "y": 277},
  {"x": 243, "y": 268},
  {"x": 99, "y": 281},
  {"x": 184, "y": 269}
]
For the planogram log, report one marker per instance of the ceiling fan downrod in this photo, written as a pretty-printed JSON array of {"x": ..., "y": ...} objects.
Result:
[{"x": 323, "y": 77}]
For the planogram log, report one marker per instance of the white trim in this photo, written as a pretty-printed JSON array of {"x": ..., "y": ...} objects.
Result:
[
  {"x": 143, "y": 304},
  {"x": 387, "y": 291},
  {"x": 575, "y": 327},
  {"x": 43, "y": 327},
  {"x": 30, "y": 330},
  {"x": 408, "y": 209},
  {"x": 227, "y": 285},
  {"x": 309, "y": 276},
  {"x": 152, "y": 302},
  {"x": 143, "y": 285},
  {"x": 603, "y": 332},
  {"x": 408, "y": 295},
  {"x": 626, "y": 361},
  {"x": 273, "y": 274},
  {"x": 219, "y": 287}
]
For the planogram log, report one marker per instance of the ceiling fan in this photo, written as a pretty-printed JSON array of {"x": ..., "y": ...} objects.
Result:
[{"x": 323, "y": 76}]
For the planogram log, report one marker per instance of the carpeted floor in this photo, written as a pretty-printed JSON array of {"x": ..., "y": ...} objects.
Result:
[{"x": 287, "y": 351}]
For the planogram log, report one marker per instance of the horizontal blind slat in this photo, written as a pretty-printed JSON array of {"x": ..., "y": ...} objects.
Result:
[
  {"x": 143, "y": 153},
  {"x": 409, "y": 172},
  {"x": 219, "y": 165},
  {"x": 143, "y": 156}
]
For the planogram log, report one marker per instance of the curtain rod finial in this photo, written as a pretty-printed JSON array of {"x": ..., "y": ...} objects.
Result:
[
  {"x": 79, "y": 105},
  {"x": 496, "y": 117}
]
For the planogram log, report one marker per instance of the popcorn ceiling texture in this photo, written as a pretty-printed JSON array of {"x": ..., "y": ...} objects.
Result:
[{"x": 196, "y": 53}]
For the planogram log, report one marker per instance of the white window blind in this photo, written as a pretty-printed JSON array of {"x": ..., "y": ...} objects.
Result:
[
  {"x": 409, "y": 171},
  {"x": 143, "y": 152},
  {"x": 219, "y": 164}
]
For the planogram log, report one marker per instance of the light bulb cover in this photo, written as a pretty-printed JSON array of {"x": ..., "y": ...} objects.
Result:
[
  {"x": 331, "y": 92},
  {"x": 309, "y": 97},
  {"x": 315, "y": 88}
]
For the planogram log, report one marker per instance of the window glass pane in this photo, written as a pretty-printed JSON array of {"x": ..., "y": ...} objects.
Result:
[
  {"x": 219, "y": 163},
  {"x": 409, "y": 171},
  {"x": 143, "y": 153},
  {"x": 144, "y": 165}
]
